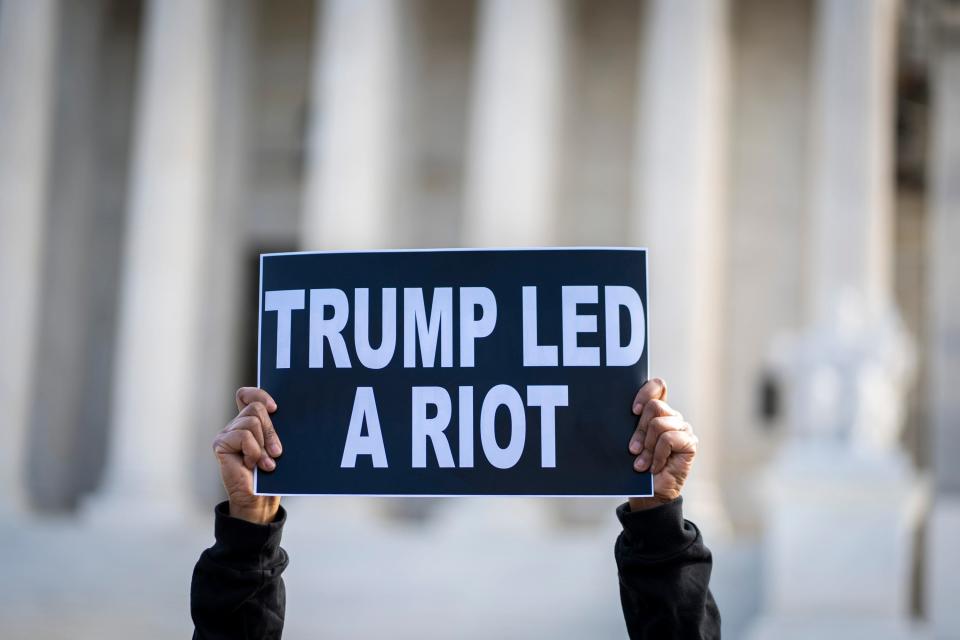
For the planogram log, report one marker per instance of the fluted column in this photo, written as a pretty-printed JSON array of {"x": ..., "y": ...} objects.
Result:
[
  {"x": 226, "y": 267},
  {"x": 28, "y": 32},
  {"x": 352, "y": 175},
  {"x": 847, "y": 370},
  {"x": 514, "y": 124},
  {"x": 850, "y": 244},
  {"x": 351, "y": 164},
  {"x": 510, "y": 190},
  {"x": 158, "y": 350},
  {"x": 679, "y": 217},
  {"x": 943, "y": 346},
  {"x": 944, "y": 258}
]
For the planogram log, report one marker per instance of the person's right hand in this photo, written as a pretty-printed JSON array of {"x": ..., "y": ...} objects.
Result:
[
  {"x": 663, "y": 444},
  {"x": 249, "y": 441}
]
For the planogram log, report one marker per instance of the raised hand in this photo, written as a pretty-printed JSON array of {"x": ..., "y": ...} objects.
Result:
[
  {"x": 247, "y": 442},
  {"x": 663, "y": 444}
]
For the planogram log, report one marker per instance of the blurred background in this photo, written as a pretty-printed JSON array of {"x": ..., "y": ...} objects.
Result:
[{"x": 793, "y": 167}]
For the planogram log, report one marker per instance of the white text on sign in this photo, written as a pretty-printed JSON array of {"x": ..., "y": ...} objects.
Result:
[{"x": 425, "y": 334}]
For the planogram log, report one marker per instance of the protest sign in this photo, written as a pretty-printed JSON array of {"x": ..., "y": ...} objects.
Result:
[{"x": 454, "y": 372}]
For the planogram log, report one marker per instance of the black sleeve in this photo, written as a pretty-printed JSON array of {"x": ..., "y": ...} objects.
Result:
[
  {"x": 237, "y": 591},
  {"x": 664, "y": 572}
]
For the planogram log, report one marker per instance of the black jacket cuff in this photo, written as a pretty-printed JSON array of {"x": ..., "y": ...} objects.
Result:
[
  {"x": 658, "y": 531},
  {"x": 242, "y": 541}
]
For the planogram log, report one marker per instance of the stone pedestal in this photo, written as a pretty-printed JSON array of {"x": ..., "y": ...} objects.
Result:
[
  {"x": 943, "y": 567},
  {"x": 825, "y": 627},
  {"x": 840, "y": 543},
  {"x": 843, "y": 505}
]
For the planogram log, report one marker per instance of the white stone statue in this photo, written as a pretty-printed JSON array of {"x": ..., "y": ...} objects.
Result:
[{"x": 845, "y": 377}]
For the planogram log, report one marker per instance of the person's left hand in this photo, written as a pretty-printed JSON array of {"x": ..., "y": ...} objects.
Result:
[{"x": 663, "y": 444}]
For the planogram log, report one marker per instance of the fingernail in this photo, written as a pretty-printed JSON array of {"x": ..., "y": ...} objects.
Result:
[
  {"x": 274, "y": 449},
  {"x": 643, "y": 461},
  {"x": 273, "y": 406},
  {"x": 637, "y": 408},
  {"x": 269, "y": 464},
  {"x": 634, "y": 447}
]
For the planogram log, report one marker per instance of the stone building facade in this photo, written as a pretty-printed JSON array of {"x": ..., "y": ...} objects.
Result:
[{"x": 790, "y": 164}]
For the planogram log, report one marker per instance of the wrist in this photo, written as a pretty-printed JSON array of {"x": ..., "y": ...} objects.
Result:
[
  {"x": 263, "y": 510},
  {"x": 641, "y": 504}
]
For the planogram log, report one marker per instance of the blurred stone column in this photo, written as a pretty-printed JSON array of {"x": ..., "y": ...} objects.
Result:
[
  {"x": 679, "y": 215},
  {"x": 511, "y": 176},
  {"x": 351, "y": 165},
  {"x": 158, "y": 351},
  {"x": 850, "y": 249},
  {"x": 28, "y": 33},
  {"x": 512, "y": 151},
  {"x": 943, "y": 348},
  {"x": 229, "y": 295},
  {"x": 350, "y": 198},
  {"x": 844, "y": 504},
  {"x": 59, "y": 460}
]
